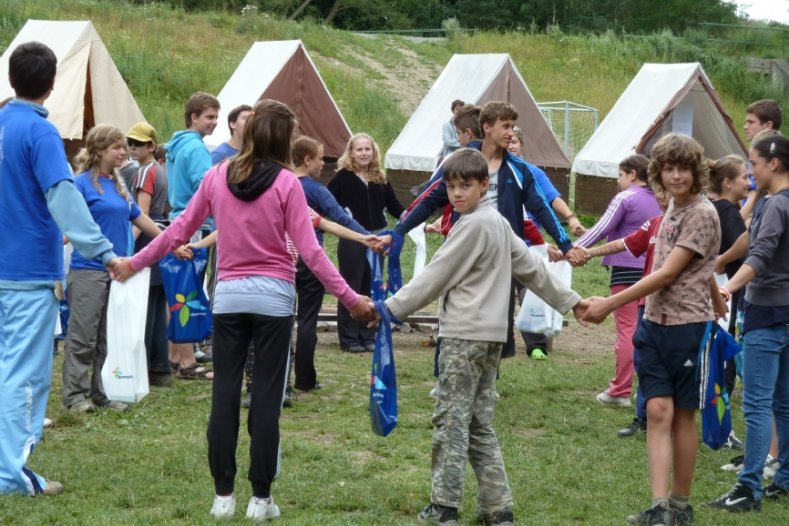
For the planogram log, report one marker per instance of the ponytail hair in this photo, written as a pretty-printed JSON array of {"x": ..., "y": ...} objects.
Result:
[
  {"x": 728, "y": 167},
  {"x": 100, "y": 138},
  {"x": 774, "y": 147},
  {"x": 636, "y": 163}
]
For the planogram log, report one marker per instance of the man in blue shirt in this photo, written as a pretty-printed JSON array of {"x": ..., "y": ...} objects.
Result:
[{"x": 38, "y": 204}]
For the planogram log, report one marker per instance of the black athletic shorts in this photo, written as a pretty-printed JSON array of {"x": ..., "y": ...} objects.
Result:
[{"x": 668, "y": 357}]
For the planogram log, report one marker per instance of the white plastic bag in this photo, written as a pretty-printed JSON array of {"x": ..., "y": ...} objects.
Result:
[
  {"x": 417, "y": 235},
  {"x": 125, "y": 372},
  {"x": 535, "y": 315}
]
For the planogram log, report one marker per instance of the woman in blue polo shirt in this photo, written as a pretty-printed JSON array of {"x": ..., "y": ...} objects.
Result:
[{"x": 88, "y": 280}]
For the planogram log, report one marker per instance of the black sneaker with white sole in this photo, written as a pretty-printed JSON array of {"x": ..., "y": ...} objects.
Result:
[
  {"x": 497, "y": 518},
  {"x": 437, "y": 514},
  {"x": 677, "y": 517},
  {"x": 773, "y": 492},
  {"x": 638, "y": 425},
  {"x": 739, "y": 498}
]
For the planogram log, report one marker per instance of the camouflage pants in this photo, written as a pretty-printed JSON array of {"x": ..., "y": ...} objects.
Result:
[{"x": 462, "y": 426}]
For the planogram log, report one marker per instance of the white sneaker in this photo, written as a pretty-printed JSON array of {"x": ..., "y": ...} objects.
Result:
[
  {"x": 262, "y": 509},
  {"x": 47, "y": 422},
  {"x": 771, "y": 465},
  {"x": 224, "y": 507},
  {"x": 434, "y": 391},
  {"x": 607, "y": 399}
]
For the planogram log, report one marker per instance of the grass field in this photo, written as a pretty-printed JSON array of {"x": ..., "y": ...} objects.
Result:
[{"x": 566, "y": 466}]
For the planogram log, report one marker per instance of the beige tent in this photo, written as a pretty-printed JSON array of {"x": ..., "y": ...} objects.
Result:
[
  {"x": 283, "y": 71},
  {"x": 89, "y": 89},
  {"x": 475, "y": 79},
  {"x": 661, "y": 98}
]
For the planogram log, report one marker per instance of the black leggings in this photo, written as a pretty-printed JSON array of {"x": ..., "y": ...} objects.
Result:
[{"x": 270, "y": 337}]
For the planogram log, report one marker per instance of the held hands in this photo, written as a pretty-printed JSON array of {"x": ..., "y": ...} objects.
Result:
[
  {"x": 112, "y": 265},
  {"x": 373, "y": 323},
  {"x": 382, "y": 246},
  {"x": 184, "y": 252},
  {"x": 579, "y": 309},
  {"x": 122, "y": 270},
  {"x": 364, "y": 310},
  {"x": 598, "y": 309},
  {"x": 554, "y": 254},
  {"x": 373, "y": 242}
]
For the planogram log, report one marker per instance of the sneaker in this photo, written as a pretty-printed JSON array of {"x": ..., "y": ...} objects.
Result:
[
  {"x": 52, "y": 488},
  {"x": 47, "y": 422},
  {"x": 112, "y": 405},
  {"x": 203, "y": 357},
  {"x": 733, "y": 442},
  {"x": 619, "y": 401},
  {"x": 355, "y": 348},
  {"x": 437, "y": 514},
  {"x": 224, "y": 507},
  {"x": 740, "y": 498},
  {"x": 85, "y": 406},
  {"x": 160, "y": 379},
  {"x": 771, "y": 465},
  {"x": 734, "y": 464},
  {"x": 262, "y": 509},
  {"x": 434, "y": 391},
  {"x": 497, "y": 518},
  {"x": 774, "y": 492},
  {"x": 247, "y": 400},
  {"x": 538, "y": 354},
  {"x": 655, "y": 516},
  {"x": 638, "y": 425},
  {"x": 682, "y": 517}
]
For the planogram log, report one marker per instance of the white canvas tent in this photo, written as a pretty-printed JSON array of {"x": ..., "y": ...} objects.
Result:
[
  {"x": 283, "y": 71},
  {"x": 660, "y": 99},
  {"x": 88, "y": 89},
  {"x": 475, "y": 79}
]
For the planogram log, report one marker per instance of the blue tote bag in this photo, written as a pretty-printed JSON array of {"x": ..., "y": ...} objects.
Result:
[
  {"x": 190, "y": 312},
  {"x": 383, "y": 384},
  {"x": 718, "y": 347}
]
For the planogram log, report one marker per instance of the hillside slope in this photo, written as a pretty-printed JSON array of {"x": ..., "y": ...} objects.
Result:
[{"x": 166, "y": 54}]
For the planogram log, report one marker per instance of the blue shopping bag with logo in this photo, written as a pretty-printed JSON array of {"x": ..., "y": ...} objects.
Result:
[
  {"x": 190, "y": 312},
  {"x": 718, "y": 346},
  {"x": 383, "y": 383}
]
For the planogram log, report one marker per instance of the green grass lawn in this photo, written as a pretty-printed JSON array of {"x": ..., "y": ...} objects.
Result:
[{"x": 565, "y": 463}]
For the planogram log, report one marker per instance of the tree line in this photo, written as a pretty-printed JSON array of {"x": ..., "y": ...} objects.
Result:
[{"x": 578, "y": 16}]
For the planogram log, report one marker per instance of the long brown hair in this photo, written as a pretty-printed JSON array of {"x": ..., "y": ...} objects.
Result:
[
  {"x": 266, "y": 138},
  {"x": 99, "y": 139},
  {"x": 375, "y": 171}
]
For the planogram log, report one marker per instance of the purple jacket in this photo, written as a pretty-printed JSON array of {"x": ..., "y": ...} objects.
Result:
[{"x": 626, "y": 212}]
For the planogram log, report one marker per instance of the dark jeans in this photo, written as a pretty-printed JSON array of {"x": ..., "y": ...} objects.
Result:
[
  {"x": 156, "y": 331},
  {"x": 352, "y": 258},
  {"x": 270, "y": 337},
  {"x": 310, "y": 298}
]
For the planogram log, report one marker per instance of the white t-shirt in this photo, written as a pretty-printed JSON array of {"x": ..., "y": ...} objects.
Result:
[{"x": 493, "y": 188}]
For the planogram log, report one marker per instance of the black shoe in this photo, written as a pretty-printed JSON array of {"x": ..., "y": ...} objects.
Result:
[
  {"x": 355, "y": 348},
  {"x": 636, "y": 426},
  {"x": 369, "y": 346},
  {"x": 774, "y": 492},
  {"x": 308, "y": 389},
  {"x": 437, "y": 514},
  {"x": 247, "y": 400},
  {"x": 656, "y": 516},
  {"x": 682, "y": 517},
  {"x": 160, "y": 379},
  {"x": 497, "y": 518},
  {"x": 740, "y": 498},
  {"x": 287, "y": 400}
]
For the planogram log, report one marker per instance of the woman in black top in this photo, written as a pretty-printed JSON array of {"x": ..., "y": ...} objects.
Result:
[
  {"x": 361, "y": 187},
  {"x": 729, "y": 181}
]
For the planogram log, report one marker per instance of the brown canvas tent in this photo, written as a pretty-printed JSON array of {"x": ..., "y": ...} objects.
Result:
[
  {"x": 475, "y": 79},
  {"x": 283, "y": 71}
]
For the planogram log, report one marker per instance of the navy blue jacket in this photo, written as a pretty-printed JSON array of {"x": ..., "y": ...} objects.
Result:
[
  {"x": 516, "y": 189},
  {"x": 322, "y": 201}
]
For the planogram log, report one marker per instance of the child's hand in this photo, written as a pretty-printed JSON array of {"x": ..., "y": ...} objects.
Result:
[
  {"x": 576, "y": 257},
  {"x": 364, "y": 309},
  {"x": 383, "y": 244},
  {"x": 122, "y": 270},
  {"x": 576, "y": 228},
  {"x": 183, "y": 252},
  {"x": 554, "y": 254},
  {"x": 598, "y": 310},
  {"x": 579, "y": 309},
  {"x": 372, "y": 241},
  {"x": 374, "y": 322}
]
